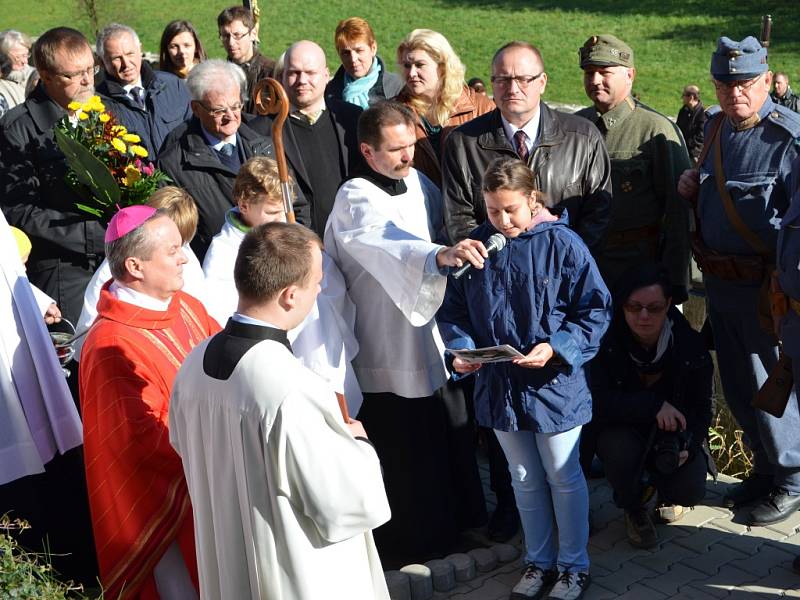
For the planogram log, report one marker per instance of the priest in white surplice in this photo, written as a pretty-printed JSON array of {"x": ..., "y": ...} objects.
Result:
[
  {"x": 380, "y": 234},
  {"x": 284, "y": 493}
]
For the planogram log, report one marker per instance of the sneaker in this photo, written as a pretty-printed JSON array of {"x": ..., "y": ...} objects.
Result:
[
  {"x": 755, "y": 487},
  {"x": 669, "y": 513},
  {"x": 569, "y": 586},
  {"x": 641, "y": 531},
  {"x": 533, "y": 584}
]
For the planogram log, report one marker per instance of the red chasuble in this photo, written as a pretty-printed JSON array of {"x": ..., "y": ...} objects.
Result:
[{"x": 137, "y": 492}]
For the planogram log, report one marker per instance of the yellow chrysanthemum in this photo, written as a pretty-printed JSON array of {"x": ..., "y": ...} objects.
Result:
[
  {"x": 119, "y": 130},
  {"x": 105, "y": 118},
  {"x": 139, "y": 151},
  {"x": 131, "y": 138},
  {"x": 132, "y": 175},
  {"x": 73, "y": 106},
  {"x": 83, "y": 116},
  {"x": 119, "y": 145}
]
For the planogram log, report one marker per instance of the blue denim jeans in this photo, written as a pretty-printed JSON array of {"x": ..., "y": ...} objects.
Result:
[{"x": 551, "y": 496}]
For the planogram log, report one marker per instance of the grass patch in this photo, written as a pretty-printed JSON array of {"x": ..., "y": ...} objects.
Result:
[
  {"x": 672, "y": 41},
  {"x": 26, "y": 575}
]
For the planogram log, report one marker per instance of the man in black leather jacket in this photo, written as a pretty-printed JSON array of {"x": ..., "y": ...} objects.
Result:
[{"x": 568, "y": 157}]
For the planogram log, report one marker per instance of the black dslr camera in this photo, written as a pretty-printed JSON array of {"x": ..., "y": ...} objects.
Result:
[{"x": 667, "y": 447}]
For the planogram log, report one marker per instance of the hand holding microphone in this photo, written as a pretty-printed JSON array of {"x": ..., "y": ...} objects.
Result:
[{"x": 471, "y": 253}]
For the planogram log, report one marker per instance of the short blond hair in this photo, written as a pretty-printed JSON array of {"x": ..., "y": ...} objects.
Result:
[
  {"x": 179, "y": 206},
  {"x": 258, "y": 182}
]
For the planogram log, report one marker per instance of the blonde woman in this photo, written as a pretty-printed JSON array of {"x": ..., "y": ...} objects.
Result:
[{"x": 436, "y": 92}]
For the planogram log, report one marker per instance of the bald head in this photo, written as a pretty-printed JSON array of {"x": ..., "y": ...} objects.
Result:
[
  {"x": 305, "y": 76},
  {"x": 691, "y": 96}
]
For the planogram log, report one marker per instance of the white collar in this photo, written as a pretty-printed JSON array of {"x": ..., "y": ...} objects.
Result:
[
  {"x": 247, "y": 320},
  {"x": 125, "y": 294},
  {"x": 217, "y": 143},
  {"x": 531, "y": 128},
  {"x": 130, "y": 86}
]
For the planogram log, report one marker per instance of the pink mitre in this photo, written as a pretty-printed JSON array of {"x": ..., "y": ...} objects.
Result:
[{"x": 126, "y": 220}]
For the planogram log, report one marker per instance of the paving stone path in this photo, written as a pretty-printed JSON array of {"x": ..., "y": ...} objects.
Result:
[{"x": 706, "y": 555}]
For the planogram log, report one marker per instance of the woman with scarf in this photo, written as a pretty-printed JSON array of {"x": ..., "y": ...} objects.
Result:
[
  {"x": 435, "y": 90},
  {"x": 651, "y": 387},
  {"x": 15, "y": 72},
  {"x": 362, "y": 79}
]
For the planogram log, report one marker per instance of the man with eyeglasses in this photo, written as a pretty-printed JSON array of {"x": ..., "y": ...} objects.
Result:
[
  {"x": 67, "y": 246},
  {"x": 238, "y": 32},
  {"x": 741, "y": 192},
  {"x": 204, "y": 154},
  {"x": 649, "y": 221},
  {"x": 67, "y": 243},
  {"x": 566, "y": 154},
  {"x": 152, "y": 102}
]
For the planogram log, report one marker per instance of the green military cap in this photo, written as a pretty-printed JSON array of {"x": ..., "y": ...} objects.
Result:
[{"x": 605, "y": 51}]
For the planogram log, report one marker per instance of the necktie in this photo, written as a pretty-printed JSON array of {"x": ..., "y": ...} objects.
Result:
[
  {"x": 226, "y": 149},
  {"x": 137, "y": 95},
  {"x": 520, "y": 137},
  {"x": 229, "y": 157}
]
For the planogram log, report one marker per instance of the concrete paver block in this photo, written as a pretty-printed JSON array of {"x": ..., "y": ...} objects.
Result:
[
  {"x": 505, "y": 552},
  {"x": 621, "y": 580},
  {"x": 464, "y": 566},
  {"x": 763, "y": 561},
  {"x": 721, "y": 584},
  {"x": 443, "y": 575},
  {"x": 613, "y": 558},
  {"x": 712, "y": 561},
  {"x": 420, "y": 580},
  {"x": 789, "y": 526},
  {"x": 608, "y": 537},
  {"x": 700, "y": 516},
  {"x": 663, "y": 559},
  {"x": 485, "y": 559},
  {"x": 669, "y": 582},
  {"x": 640, "y": 592},
  {"x": 598, "y": 592},
  {"x": 702, "y": 539},
  {"x": 399, "y": 585},
  {"x": 490, "y": 590}
]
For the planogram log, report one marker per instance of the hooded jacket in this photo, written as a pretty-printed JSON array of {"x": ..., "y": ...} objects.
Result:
[{"x": 544, "y": 286}]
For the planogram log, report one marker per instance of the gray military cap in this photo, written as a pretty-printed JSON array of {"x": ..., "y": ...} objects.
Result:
[{"x": 736, "y": 61}]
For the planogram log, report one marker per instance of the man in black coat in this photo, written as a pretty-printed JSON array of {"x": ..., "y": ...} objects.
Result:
[
  {"x": 568, "y": 157},
  {"x": 152, "y": 103},
  {"x": 67, "y": 243},
  {"x": 320, "y": 136},
  {"x": 691, "y": 121},
  {"x": 204, "y": 154}
]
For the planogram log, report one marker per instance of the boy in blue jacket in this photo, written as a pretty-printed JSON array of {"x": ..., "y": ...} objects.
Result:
[{"x": 543, "y": 295}]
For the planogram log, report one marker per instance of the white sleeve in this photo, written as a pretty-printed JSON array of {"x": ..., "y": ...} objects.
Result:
[
  {"x": 330, "y": 477},
  {"x": 393, "y": 256}
]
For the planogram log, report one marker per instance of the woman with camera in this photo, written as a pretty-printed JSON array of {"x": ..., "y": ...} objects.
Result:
[{"x": 651, "y": 387}]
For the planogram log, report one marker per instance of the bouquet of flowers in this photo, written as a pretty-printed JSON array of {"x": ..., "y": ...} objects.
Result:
[{"x": 108, "y": 167}]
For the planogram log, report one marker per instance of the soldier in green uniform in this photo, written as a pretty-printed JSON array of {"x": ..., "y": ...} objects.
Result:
[{"x": 649, "y": 221}]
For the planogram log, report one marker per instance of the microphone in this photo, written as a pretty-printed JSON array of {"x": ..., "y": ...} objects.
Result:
[{"x": 493, "y": 245}]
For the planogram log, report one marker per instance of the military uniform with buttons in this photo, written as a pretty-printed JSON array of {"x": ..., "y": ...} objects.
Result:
[
  {"x": 649, "y": 220},
  {"x": 756, "y": 157}
]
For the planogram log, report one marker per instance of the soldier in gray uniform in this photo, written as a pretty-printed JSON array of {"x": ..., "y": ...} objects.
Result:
[
  {"x": 740, "y": 203},
  {"x": 649, "y": 220}
]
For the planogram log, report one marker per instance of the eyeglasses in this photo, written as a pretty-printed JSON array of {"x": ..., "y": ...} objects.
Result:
[
  {"x": 238, "y": 37},
  {"x": 727, "y": 86},
  {"x": 652, "y": 309},
  {"x": 218, "y": 113},
  {"x": 78, "y": 75},
  {"x": 523, "y": 81}
]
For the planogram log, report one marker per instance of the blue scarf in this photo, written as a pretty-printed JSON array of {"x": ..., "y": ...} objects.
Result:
[{"x": 356, "y": 91}]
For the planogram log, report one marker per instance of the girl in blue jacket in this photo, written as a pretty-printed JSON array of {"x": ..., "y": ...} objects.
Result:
[{"x": 543, "y": 295}]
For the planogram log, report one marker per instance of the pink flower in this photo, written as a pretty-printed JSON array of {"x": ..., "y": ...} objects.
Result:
[{"x": 148, "y": 169}]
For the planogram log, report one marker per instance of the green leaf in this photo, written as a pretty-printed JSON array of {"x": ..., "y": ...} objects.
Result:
[
  {"x": 89, "y": 209},
  {"x": 89, "y": 170}
]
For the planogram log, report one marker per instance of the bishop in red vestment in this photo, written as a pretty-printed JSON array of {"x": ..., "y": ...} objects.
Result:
[{"x": 145, "y": 327}]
